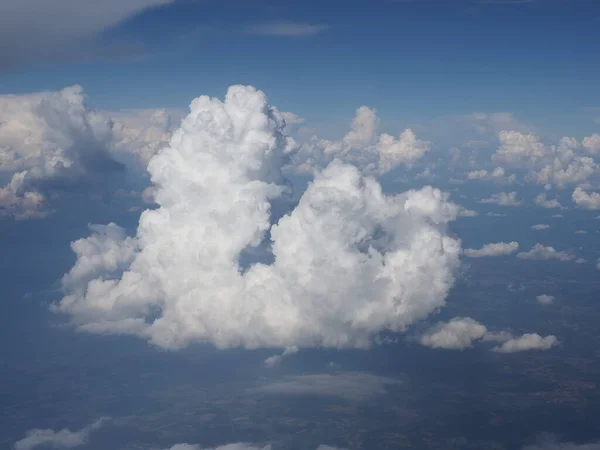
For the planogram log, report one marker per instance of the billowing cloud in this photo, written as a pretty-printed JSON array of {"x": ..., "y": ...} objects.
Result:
[
  {"x": 586, "y": 200},
  {"x": 542, "y": 252},
  {"x": 346, "y": 263},
  {"x": 540, "y": 226},
  {"x": 36, "y": 29},
  {"x": 50, "y": 140},
  {"x": 502, "y": 199},
  {"x": 516, "y": 147},
  {"x": 493, "y": 249},
  {"x": 352, "y": 386},
  {"x": 545, "y": 299},
  {"x": 526, "y": 342},
  {"x": 57, "y": 439},
  {"x": 457, "y": 334}
]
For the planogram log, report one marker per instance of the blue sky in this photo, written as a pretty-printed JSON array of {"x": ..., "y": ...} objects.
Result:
[{"x": 412, "y": 60}]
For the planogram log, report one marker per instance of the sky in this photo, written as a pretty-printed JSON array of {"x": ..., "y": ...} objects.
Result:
[{"x": 288, "y": 225}]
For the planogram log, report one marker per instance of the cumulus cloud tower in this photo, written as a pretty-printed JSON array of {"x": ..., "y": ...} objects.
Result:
[{"x": 349, "y": 261}]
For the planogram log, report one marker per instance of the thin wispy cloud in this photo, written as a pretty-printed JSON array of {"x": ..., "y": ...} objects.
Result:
[{"x": 288, "y": 29}]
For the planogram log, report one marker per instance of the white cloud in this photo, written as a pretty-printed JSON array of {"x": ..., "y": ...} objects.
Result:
[
  {"x": 526, "y": 342},
  {"x": 457, "y": 334},
  {"x": 545, "y": 299},
  {"x": 493, "y": 249},
  {"x": 516, "y": 147},
  {"x": 274, "y": 360},
  {"x": 33, "y": 29},
  {"x": 353, "y": 386},
  {"x": 503, "y": 199},
  {"x": 50, "y": 138},
  {"x": 235, "y": 446},
  {"x": 541, "y": 252},
  {"x": 541, "y": 200},
  {"x": 64, "y": 438},
  {"x": 592, "y": 143},
  {"x": 349, "y": 261},
  {"x": 286, "y": 29},
  {"x": 540, "y": 226},
  {"x": 586, "y": 200},
  {"x": 363, "y": 147}
]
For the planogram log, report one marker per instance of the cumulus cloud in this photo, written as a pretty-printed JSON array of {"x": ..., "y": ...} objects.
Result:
[
  {"x": 503, "y": 199},
  {"x": 586, "y": 200},
  {"x": 555, "y": 165},
  {"x": 346, "y": 263},
  {"x": 274, "y": 360},
  {"x": 64, "y": 438},
  {"x": 592, "y": 143},
  {"x": 352, "y": 386},
  {"x": 542, "y": 201},
  {"x": 526, "y": 342},
  {"x": 461, "y": 332},
  {"x": 363, "y": 147},
  {"x": 493, "y": 249},
  {"x": 31, "y": 30},
  {"x": 51, "y": 140},
  {"x": 457, "y": 334},
  {"x": 545, "y": 299},
  {"x": 540, "y": 226},
  {"x": 541, "y": 252}
]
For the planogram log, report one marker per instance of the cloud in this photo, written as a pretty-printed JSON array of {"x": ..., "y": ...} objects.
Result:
[
  {"x": 352, "y": 386},
  {"x": 550, "y": 442},
  {"x": 274, "y": 360},
  {"x": 541, "y": 200},
  {"x": 555, "y": 165},
  {"x": 461, "y": 332},
  {"x": 493, "y": 249},
  {"x": 51, "y": 141},
  {"x": 503, "y": 199},
  {"x": 236, "y": 446},
  {"x": 346, "y": 263},
  {"x": 363, "y": 147},
  {"x": 457, "y": 334},
  {"x": 286, "y": 29},
  {"x": 592, "y": 143},
  {"x": 64, "y": 438},
  {"x": 540, "y": 226},
  {"x": 526, "y": 342},
  {"x": 586, "y": 200},
  {"x": 541, "y": 252},
  {"x": 545, "y": 299},
  {"x": 31, "y": 30}
]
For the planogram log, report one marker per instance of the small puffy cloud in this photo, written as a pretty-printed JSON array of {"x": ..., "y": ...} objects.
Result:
[
  {"x": 503, "y": 199},
  {"x": 286, "y": 29},
  {"x": 581, "y": 232},
  {"x": 64, "y": 438},
  {"x": 542, "y": 201},
  {"x": 540, "y": 252},
  {"x": 493, "y": 249},
  {"x": 592, "y": 143},
  {"x": 545, "y": 299},
  {"x": 526, "y": 342},
  {"x": 363, "y": 147},
  {"x": 515, "y": 147},
  {"x": 274, "y": 360},
  {"x": 586, "y": 200},
  {"x": 347, "y": 262},
  {"x": 457, "y": 334},
  {"x": 540, "y": 226},
  {"x": 353, "y": 386}
]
